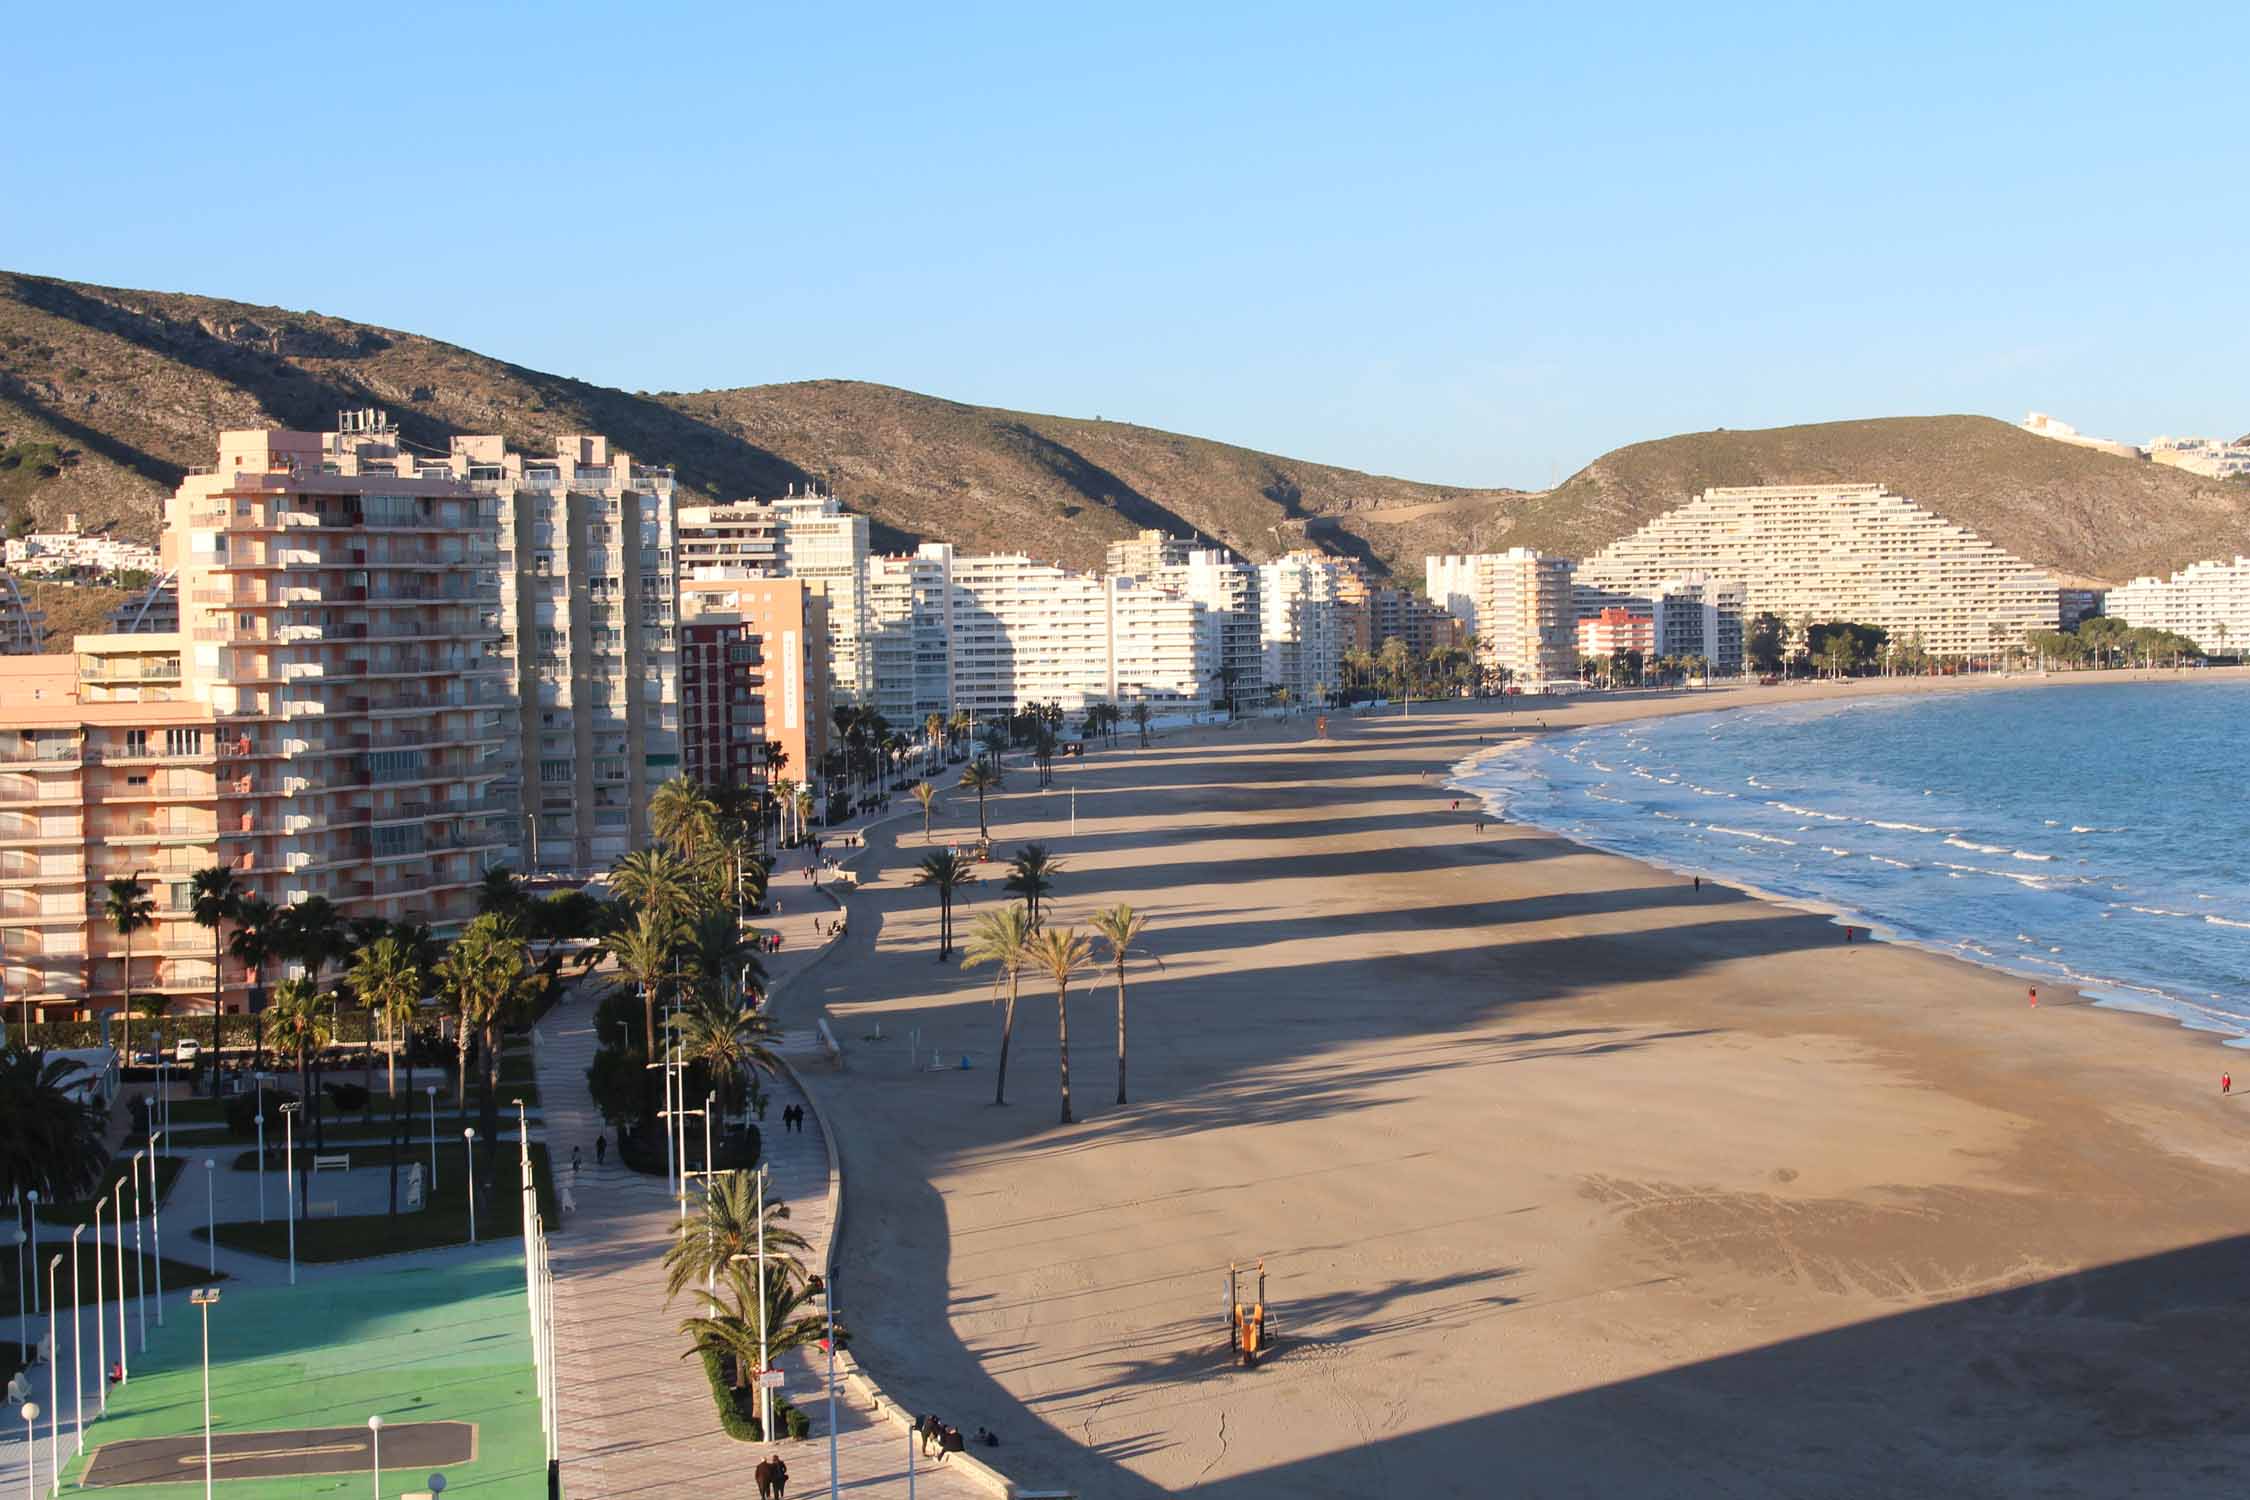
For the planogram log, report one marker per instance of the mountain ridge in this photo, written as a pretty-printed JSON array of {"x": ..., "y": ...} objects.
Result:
[{"x": 128, "y": 388}]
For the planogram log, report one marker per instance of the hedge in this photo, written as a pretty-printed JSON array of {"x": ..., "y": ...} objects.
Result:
[{"x": 738, "y": 1424}]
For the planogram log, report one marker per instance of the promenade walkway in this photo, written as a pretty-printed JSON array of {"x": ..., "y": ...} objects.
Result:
[{"x": 637, "y": 1419}]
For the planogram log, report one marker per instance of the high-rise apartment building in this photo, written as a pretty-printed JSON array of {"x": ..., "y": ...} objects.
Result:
[
  {"x": 2208, "y": 602},
  {"x": 1840, "y": 552},
  {"x": 909, "y": 645},
  {"x": 722, "y": 711},
  {"x": 22, "y": 628},
  {"x": 1613, "y": 630},
  {"x": 1148, "y": 553},
  {"x": 327, "y": 722},
  {"x": 1226, "y": 589},
  {"x": 817, "y": 540},
  {"x": 1518, "y": 606},
  {"x": 787, "y": 619},
  {"x": 1299, "y": 628},
  {"x": 744, "y": 536},
  {"x": 1401, "y": 615}
]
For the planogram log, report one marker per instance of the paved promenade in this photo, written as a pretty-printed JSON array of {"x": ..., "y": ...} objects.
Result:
[{"x": 637, "y": 1419}]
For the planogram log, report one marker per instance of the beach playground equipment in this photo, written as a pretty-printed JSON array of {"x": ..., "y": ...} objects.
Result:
[{"x": 1249, "y": 1324}]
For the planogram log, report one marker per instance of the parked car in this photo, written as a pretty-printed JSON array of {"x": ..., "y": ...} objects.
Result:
[{"x": 186, "y": 1050}]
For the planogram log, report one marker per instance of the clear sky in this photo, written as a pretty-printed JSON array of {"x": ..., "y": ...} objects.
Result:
[{"x": 1476, "y": 244}]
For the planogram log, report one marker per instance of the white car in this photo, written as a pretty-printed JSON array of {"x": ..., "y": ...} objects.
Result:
[{"x": 186, "y": 1051}]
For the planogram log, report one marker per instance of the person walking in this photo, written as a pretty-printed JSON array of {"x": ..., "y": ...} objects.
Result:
[
  {"x": 780, "y": 1477},
  {"x": 930, "y": 1431},
  {"x": 2226, "y": 1083},
  {"x": 764, "y": 1475},
  {"x": 574, "y": 1161},
  {"x": 601, "y": 1149}
]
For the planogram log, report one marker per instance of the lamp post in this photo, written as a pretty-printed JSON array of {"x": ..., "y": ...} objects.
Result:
[
  {"x": 203, "y": 1297},
  {"x": 25, "y": 1280},
  {"x": 30, "y": 1450},
  {"x": 101, "y": 1323},
  {"x": 117, "y": 1219},
  {"x": 261, "y": 1147},
  {"x": 375, "y": 1442},
  {"x": 211, "y": 1218},
  {"x": 431, "y": 1090},
  {"x": 54, "y": 1387},
  {"x": 77, "y": 1346},
  {"x": 289, "y": 1179},
  {"x": 155, "y": 1229},
  {"x": 469, "y": 1155},
  {"x": 31, "y": 1212}
]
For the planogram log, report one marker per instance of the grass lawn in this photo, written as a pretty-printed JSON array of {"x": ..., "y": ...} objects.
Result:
[
  {"x": 443, "y": 1221},
  {"x": 176, "y": 1273},
  {"x": 413, "y": 1345},
  {"x": 82, "y": 1210}
]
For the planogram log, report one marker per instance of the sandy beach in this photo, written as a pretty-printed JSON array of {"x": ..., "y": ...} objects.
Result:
[{"x": 1570, "y": 1179}]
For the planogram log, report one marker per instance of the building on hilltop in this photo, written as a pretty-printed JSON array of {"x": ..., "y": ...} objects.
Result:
[
  {"x": 2039, "y": 424},
  {"x": 2208, "y": 602},
  {"x": 76, "y": 551},
  {"x": 2208, "y": 457},
  {"x": 328, "y": 722},
  {"x": 1518, "y": 606},
  {"x": 1838, "y": 552}
]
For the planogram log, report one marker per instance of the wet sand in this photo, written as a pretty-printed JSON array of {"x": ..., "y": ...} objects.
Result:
[{"x": 1569, "y": 1179}]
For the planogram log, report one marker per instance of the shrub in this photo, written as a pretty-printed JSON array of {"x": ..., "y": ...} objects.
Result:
[
  {"x": 242, "y": 1110},
  {"x": 349, "y": 1098},
  {"x": 738, "y": 1408}
]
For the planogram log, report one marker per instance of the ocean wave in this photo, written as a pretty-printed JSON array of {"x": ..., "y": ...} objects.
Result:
[
  {"x": 2027, "y": 854},
  {"x": 1832, "y": 849},
  {"x": 1811, "y": 812},
  {"x": 1744, "y": 833},
  {"x": 1896, "y": 864},
  {"x": 2223, "y": 922},
  {"x": 2089, "y": 828},
  {"x": 1903, "y": 827},
  {"x": 1976, "y": 848}
]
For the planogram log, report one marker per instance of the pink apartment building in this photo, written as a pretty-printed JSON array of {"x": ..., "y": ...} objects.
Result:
[{"x": 326, "y": 721}]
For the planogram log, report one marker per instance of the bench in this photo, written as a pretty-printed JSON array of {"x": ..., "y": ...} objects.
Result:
[{"x": 340, "y": 1161}]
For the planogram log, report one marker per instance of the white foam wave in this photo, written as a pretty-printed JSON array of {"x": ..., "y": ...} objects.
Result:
[
  {"x": 2223, "y": 922},
  {"x": 1744, "y": 833},
  {"x": 1974, "y": 847},
  {"x": 1903, "y": 827},
  {"x": 1811, "y": 812},
  {"x": 1896, "y": 864},
  {"x": 1831, "y": 849}
]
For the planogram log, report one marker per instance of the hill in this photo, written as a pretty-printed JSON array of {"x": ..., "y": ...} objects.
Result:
[{"x": 108, "y": 395}]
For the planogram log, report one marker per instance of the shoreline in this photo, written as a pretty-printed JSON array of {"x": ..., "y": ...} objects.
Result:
[
  {"x": 2120, "y": 996},
  {"x": 1538, "y": 1141}
]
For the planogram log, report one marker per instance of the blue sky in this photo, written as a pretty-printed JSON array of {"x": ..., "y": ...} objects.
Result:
[{"x": 1474, "y": 244}]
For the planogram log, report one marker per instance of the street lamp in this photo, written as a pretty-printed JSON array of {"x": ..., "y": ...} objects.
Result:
[
  {"x": 375, "y": 1441},
  {"x": 155, "y": 1230},
  {"x": 77, "y": 1345},
  {"x": 54, "y": 1389},
  {"x": 431, "y": 1090},
  {"x": 30, "y": 1450},
  {"x": 469, "y": 1155},
  {"x": 203, "y": 1297},
  {"x": 25, "y": 1280},
  {"x": 289, "y": 1178},
  {"x": 117, "y": 1218},
  {"x": 101, "y": 1322},
  {"x": 211, "y": 1218},
  {"x": 31, "y": 1213}
]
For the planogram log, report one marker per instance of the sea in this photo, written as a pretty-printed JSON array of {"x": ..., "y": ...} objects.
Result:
[{"x": 2096, "y": 835}]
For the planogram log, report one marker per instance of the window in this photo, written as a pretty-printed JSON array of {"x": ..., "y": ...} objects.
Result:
[
  {"x": 137, "y": 781},
  {"x": 183, "y": 742},
  {"x": 180, "y": 895},
  {"x": 136, "y": 742}
]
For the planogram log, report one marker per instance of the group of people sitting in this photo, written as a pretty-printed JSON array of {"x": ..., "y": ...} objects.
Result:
[{"x": 947, "y": 1440}]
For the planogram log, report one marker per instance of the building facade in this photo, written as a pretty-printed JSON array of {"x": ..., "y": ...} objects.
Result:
[
  {"x": 329, "y": 721},
  {"x": 787, "y": 620},
  {"x": 1839, "y": 552},
  {"x": 817, "y": 540},
  {"x": 1300, "y": 631},
  {"x": 1517, "y": 605},
  {"x": 2208, "y": 602},
  {"x": 1613, "y": 631},
  {"x": 909, "y": 645},
  {"x": 23, "y": 630}
]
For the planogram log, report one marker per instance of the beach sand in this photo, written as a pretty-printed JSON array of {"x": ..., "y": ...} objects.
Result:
[{"x": 1569, "y": 1179}]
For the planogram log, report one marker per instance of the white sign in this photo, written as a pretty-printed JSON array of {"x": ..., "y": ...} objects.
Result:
[{"x": 769, "y": 1380}]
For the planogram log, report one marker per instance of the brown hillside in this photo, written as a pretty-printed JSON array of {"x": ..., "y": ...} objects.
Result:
[
  {"x": 2083, "y": 513},
  {"x": 113, "y": 393}
]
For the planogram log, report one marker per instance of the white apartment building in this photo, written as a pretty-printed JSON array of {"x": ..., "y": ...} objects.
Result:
[
  {"x": 2209, "y": 457},
  {"x": 586, "y": 614},
  {"x": 1855, "y": 552},
  {"x": 1027, "y": 632},
  {"x": 1695, "y": 616},
  {"x": 1226, "y": 588},
  {"x": 22, "y": 628},
  {"x": 909, "y": 644},
  {"x": 744, "y": 535},
  {"x": 2208, "y": 602},
  {"x": 1517, "y": 604},
  {"x": 816, "y": 539},
  {"x": 72, "y": 550},
  {"x": 1148, "y": 553},
  {"x": 1300, "y": 644}
]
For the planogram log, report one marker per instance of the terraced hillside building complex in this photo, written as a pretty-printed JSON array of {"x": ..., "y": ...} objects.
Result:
[
  {"x": 2208, "y": 602},
  {"x": 1838, "y": 552},
  {"x": 327, "y": 721}
]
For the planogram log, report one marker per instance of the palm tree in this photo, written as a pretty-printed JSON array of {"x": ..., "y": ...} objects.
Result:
[
  {"x": 1031, "y": 875},
  {"x": 487, "y": 975},
  {"x": 500, "y": 891},
  {"x": 1062, "y": 953},
  {"x": 656, "y": 881},
  {"x": 785, "y": 803},
  {"x": 300, "y": 1020},
  {"x": 728, "y": 1038},
  {"x": 128, "y": 908},
  {"x": 727, "y": 1227},
  {"x": 730, "y": 1323},
  {"x": 716, "y": 953},
  {"x": 926, "y": 794},
  {"x": 216, "y": 898},
  {"x": 643, "y": 949},
  {"x": 1120, "y": 929},
  {"x": 684, "y": 815},
  {"x": 947, "y": 871},
  {"x": 257, "y": 923},
  {"x": 933, "y": 736},
  {"x": 1141, "y": 716},
  {"x": 1003, "y": 938},
  {"x": 389, "y": 982},
  {"x": 51, "y": 1141},
  {"x": 981, "y": 776},
  {"x": 804, "y": 809}
]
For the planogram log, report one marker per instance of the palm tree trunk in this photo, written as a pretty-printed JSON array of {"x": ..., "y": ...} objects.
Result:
[
  {"x": 390, "y": 1057},
  {"x": 1062, "y": 1021},
  {"x": 218, "y": 998},
  {"x": 1121, "y": 1030},
  {"x": 648, "y": 1020},
  {"x": 1007, "y": 1030},
  {"x": 126, "y": 1045}
]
